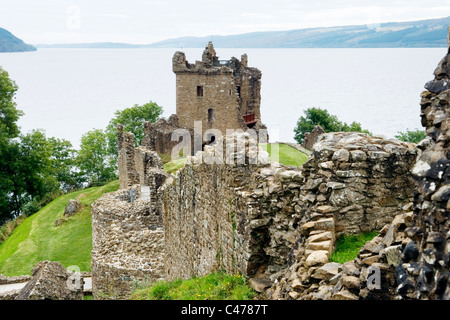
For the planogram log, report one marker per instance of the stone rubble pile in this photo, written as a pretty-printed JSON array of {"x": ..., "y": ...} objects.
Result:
[{"x": 51, "y": 281}]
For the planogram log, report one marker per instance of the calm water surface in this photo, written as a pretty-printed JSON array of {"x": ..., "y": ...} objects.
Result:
[{"x": 68, "y": 92}]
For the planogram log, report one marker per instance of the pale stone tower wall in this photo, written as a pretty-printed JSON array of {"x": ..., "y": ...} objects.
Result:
[{"x": 216, "y": 92}]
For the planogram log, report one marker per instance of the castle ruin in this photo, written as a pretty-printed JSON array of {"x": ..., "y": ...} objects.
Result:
[
  {"x": 275, "y": 224},
  {"x": 212, "y": 96}
]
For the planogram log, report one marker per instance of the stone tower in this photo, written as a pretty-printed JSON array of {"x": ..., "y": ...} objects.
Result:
[{"x": 222, "y": 94}]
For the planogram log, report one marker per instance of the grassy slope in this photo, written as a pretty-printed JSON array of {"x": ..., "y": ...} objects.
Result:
[
  {"x": 288, "y": 155},
  {"x": 37, "y": 238}
]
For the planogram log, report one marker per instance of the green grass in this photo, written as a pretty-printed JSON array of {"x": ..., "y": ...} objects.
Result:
[
  {"x": 347, "y": 247},
  {"x": 288, "y": 155},
  {"x": 215, "y": 286},
  {"x": 172, "y": 166},
  {"x": 37, "y": 238}
]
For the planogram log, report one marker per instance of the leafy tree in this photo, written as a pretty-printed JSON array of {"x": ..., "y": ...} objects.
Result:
[
  {"x": 414, "y": 136},
  {"x": 9, "y": 130},
  {"x": 97, "y": 166},
  {"x": 8, "y": 111},
  {"x": 64, "y": 165},
  {"x": 132, "y": 120},
  {"x": 36, "y": 164},
  {"x": 330, "y": 123},
  {"x": 27, "y": 175}
]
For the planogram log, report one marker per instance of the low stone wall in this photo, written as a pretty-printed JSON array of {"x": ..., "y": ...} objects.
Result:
[
  {"x": 128, "y": 244},
  {"x": 11, "y": 280}
]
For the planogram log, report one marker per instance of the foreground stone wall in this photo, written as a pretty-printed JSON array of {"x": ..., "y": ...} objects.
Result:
[
  {"x": 364, "y": 181},
  {"x": 410, "y": 258}
]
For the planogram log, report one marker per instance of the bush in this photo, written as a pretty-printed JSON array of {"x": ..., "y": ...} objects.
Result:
[
  {"x": 8, "y": 227},
  {"x": 414, "y": 136},
  {"x": 329, "y": 123}
]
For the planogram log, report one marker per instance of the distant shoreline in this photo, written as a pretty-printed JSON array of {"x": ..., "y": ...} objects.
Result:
[{"x": 430, "y": 33}]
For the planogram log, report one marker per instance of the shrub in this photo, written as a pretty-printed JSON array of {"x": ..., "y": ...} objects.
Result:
[
  {"x": 414, "y": 136},
  {"x": 8, "y": 227},
  {"x": 329, "y": 123}
]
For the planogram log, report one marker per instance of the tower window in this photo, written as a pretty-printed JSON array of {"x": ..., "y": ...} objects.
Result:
[
  {"x": 238, "y": 88},
  {"x": 210, "y": 115},
  {"x": 199, "y": 91}
]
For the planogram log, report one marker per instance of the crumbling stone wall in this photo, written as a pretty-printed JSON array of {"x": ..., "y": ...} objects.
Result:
[
  {"x": 127, "y": 227},
  {"x": 354, "y": 183},
  {"x": 364, "y": 181},
  {"x": 127, "y": 170},
  {"x": 206, "y": 221},
  {"x": 128, "y": 244},
  {"x": 158, "y": 135},
  {"x": 248, "y": 218},
  {"x": 410, "y": 258}
]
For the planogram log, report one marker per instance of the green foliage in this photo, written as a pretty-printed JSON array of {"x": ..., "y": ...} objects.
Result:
[
  {"x": 8, "y": 227},
  {"x": 347, "y": 247},
  {"x": 215, "y": 286},
  {"x": 9, "y": 115},
  {"x": 37, "y": 238},
  {"x": 414, "y": 136},
  {"x": 96, "y": 164},
  {"x": 64, "y": 165},
  {"x": 132, "y": 120},
  {"x": 286, "y": 154},
  {"x": 329, "y": 123}
]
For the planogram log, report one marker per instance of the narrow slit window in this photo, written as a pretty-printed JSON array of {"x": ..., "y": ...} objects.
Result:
[
  {"x": 210, "y": 115},
  {"x": 238, "y": 89},
  {"x": 199, "y": 91}
]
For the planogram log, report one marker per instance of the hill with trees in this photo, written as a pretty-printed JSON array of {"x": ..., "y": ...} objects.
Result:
[{"x": 10, "y": 43}]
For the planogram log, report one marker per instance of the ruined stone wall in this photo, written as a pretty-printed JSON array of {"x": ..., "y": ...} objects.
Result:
[
  {"x": 354, "y": 183},
  {"x": 248, "y": 218},
  {"x": 363, "y": 180},
  {"x": 410, "y": 258},
  {"x": 127, "y": 170},
  {"x": 127, "y": 228},
  {"x": 206, "y": 223},
  {"x": 249, "y": 81},
  {"x": 158, "y": 135},
  {"x": 127, "y": 244}
]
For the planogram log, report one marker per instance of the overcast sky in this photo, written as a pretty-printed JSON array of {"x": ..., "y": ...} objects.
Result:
[{"x": 147, "y": 21}]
